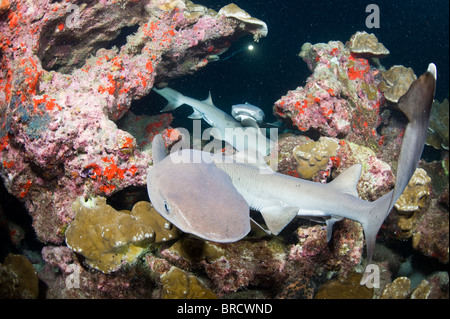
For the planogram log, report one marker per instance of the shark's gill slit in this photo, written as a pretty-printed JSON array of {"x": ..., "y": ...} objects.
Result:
[{"x": 167, "y": 207}]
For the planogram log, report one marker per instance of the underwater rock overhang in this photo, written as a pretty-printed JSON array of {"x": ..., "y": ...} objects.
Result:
[{"x": 63, "y": 90}]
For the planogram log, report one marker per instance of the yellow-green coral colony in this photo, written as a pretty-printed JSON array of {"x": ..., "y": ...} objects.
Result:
[
  {"x": 416, "y": 192},
  {"x": 411, "y": 201},
  {"x": 107, "y": 238},
  {"x": 177, "y": 284},
  {"x": 314, "y": 156},
  {"x": 397, "y": 81},
  {"x": 438, "y": 129}
]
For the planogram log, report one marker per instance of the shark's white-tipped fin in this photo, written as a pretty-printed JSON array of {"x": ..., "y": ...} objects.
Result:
[
  {"x": 346, "y": 181},
  {"x": 432, "y": 69},
  {"x": 277, "y": 217},
  {"x": 209, "y": 100}
]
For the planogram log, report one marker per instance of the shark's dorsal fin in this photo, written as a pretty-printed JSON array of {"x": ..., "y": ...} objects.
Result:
[
  {"x": 158, "y": 149},
  {"x": 346, "y": 181},
  {"x": 209, "y": 100}
]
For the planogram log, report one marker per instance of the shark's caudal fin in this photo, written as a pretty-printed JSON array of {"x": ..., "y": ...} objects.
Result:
[
  {"x": 416, "y": 104},
  {"x": 174, "y": 98}
]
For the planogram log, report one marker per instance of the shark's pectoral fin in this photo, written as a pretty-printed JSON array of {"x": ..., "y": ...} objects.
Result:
[
  {"x": 170, "y": 107},
  {"x": 277, "y": 217},
  {"x": 196, "y": 115},
  {"x": 260, "y": 227},
  {"x": 346, "y": 181}
]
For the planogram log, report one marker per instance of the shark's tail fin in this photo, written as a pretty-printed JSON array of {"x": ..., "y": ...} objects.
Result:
[
  {"x": 371, "y": 223},
  {"x": 416, "y": 104},
  {"x": 174, "y": 98},
  {"x": 373, "y": 220}
]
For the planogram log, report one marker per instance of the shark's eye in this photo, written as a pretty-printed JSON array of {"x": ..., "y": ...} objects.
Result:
[{"x": 167, "y": 207}]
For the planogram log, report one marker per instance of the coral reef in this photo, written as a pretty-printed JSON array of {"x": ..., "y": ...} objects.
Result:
[
  {"x": 177, "y": 284},
  {"x": 431, "y": 236},
  {"x": 67, "y": 80},
  {"x": 233, "y": 266},
  {"x": 65, "y": 277},
  {"x": 108, "y": 238},
  {"x": 376, "y": 178},
  {"x": 434, "y": 287},
  {"x": 345, "y": 288},
  {"x": 415, "y": 193},
  {"x": 313, "y": 249},
  {"x": 438, "y": 128},
  {"x": 313, "y": 157},
  {"x": 340, "y": 98},
  {"x": 411, "y": 201},
  {"x": 366, "y": 45},
  {"x": 421, "y": 213},
  {"x": 144, "y": 128},
  {"x": 66, "y": 134},
  {"x": 396, "y": 82},
  {"x": 18, "y": 279},
  {"x": 398, "y": 289}
]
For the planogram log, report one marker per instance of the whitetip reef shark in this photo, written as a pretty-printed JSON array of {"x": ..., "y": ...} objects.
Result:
[
  {"x": 248, "y": 114},
  {"x": 240, "y": 135},
  {"x": 196, "y": 196},
  {"x": 279, "y": 198}
]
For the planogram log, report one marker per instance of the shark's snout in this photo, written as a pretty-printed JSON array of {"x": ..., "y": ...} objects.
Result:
[{"x": 199, "y": 199}]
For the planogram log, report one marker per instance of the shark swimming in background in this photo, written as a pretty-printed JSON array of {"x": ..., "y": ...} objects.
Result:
[
  {"x": 280, "y": 198},
  {"x": 248, "y": 114},
  {"x": 226, "y": 127}
]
